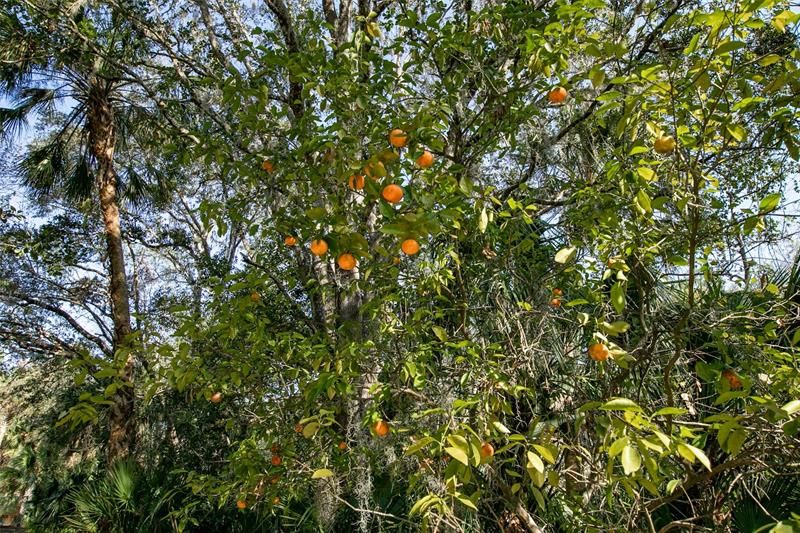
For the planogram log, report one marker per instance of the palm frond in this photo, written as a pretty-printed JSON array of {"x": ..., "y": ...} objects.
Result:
[
  {"x": 42, "y": 167},
  {"x": 32, "y": 99},
  {"x": 20, "y": 58}
]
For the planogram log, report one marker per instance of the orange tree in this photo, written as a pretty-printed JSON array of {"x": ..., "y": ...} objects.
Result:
[{"x": 534, "y": 296}]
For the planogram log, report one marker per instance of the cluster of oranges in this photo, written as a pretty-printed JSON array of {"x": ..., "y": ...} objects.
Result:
[{"x": 391, "y": 193}]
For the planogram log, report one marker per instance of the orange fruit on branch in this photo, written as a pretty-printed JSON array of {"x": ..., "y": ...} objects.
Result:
[
  {"x": 555, "y": 302},
  {"x": 557, "y": 292},
  {"x": 664, "y": 144},
  {"x": 343, "y": 445},
  {"x": 557, "y": 96},
  {"x": 241, "y": 504},
  {"x": 392, "y": 193},
  {"x": 216, "y": 397},
  {"x": 487, "y": 450},
  {"x": 398, "y": 138},
  {"x": 267, "y": 165},
  {"x": 381, "y": 428},
  {"x": 733, "y": 380},
  {"x": 276, "y": 460},
  {"x": 409, "y": 246},
  {"x": 346, "y": 261},
  {"x": 599, "y": 351},
  {"x": 319, "y": 247},
  {"x": 425, "y": 160},
  {"x": 356, "y": 182},
  {"x": 298, "y": 428},
  {"x": 290, "y": 240}
]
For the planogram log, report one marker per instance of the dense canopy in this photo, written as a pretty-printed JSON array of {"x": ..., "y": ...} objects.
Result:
[{"x": 399, "y": 265}]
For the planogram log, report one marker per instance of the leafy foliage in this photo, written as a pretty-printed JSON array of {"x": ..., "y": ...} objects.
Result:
[{"x": 282, "y": 389}]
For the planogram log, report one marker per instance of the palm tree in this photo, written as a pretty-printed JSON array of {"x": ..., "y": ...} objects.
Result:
[{"x": 41, "y": 70}]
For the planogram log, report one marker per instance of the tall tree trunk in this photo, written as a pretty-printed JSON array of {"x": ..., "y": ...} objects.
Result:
[{"x": 102, "y": 138}]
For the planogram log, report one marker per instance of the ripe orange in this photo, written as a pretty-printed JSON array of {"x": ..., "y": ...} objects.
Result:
[
  {"x": 216, "y": 397},
  {"x": 599, "y": 351},
  {"x": 276, "y": 500},
  {"x": 241, "y": 504},
  {"x": 255, "y": 297},
  {"x": 733, "y": 380},
  {"x": 557, "y": 95},
  {"x": 298, "y": 428},
  {"x": 487, "y": 450},
  {"x": 356, "y": 182},
  {"x": 276, "y": 460},
  {"x": 343, "y": 445},
  {"x": 346, "y": 261},
  {"x": 319, "y": 247},
  {"x": 392, "y": 193},
  {"x": 557, "y": 292},
  {"x": 398, "y": 138},
  {"x": 267, "y": 165},
  {"x": 375, "y": 170},
  {"x": 664, "y": 144},
  {"x": 555, "y": 302},
  {"x": 290, "y": 241},
  {"x": 381, "y": 428},
  {"x": 425, "y": 160},
  {"x": 409, "y": 246}
]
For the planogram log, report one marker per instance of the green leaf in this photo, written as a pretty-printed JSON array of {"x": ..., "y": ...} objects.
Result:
[
  {"x": 315, "y": 213},
  {"x": 566, "y": 255},
  {"x": 417, "y": 446},
  {"x": 422, "y": 504},
  {"x": 310, "y": 429},
  {"x": 631, "y": 460},
  {"x": 769, "y": 203},
  {"x": 690, "y": 453},
  {"x": 457, "y": 454},
  {"x": 791, "y": 407},
  {"x": 701, "y": 456},
  {"x": 620, "y": 404},
  {"x": 617, "y": 446},
  {"x": 547, "y": 452},
  {"x": 321, "y": 473},
  {"x": 615, "y": 328},
  {"x": 537, "y": 494},
  {"x": 671, "y": 411},
  {"x": 597, "y": 76},
  {"x": 483, "y": 221},
  {"x": 466, "y": 501},
  {"x": 501, "y": 428},
  {"x": 535, "y": 462},
  {"x": 618, "y": 297},
  {"x": 647, "y": 173},
  {"x": 440, "y": 333},
  {"x": 643, "y": 199},
  {"x": 736, "y": 131},
  {"x": 728, "y": 47}
]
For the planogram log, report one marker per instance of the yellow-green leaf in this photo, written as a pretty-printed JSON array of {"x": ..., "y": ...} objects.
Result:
[
  {"x": 566, "y": 255},
  {"x": 321, "y": 473},
  {"x": 631, "y": 460},
  {"x": 457, "y": 454}
]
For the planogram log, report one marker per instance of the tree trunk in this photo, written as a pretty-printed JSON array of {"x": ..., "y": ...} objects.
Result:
[{"x": 102, "y": 138}]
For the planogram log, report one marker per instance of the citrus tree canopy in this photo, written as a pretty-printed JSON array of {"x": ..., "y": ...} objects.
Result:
[{"x": 389, "y": 265}]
